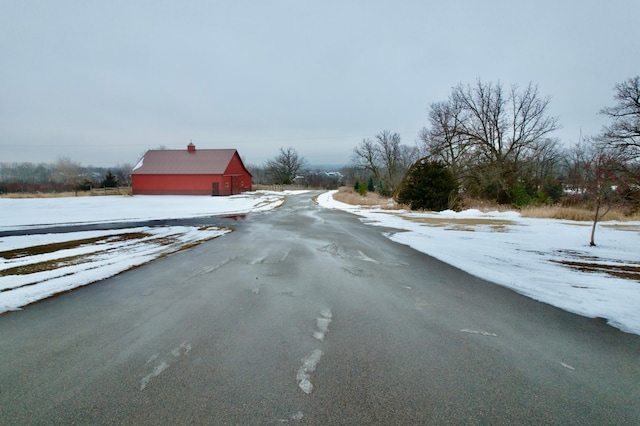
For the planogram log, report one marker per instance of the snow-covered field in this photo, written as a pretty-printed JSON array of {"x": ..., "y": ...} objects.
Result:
[
  {"x": 548, "y": 260},
  {"x": 34, "y": 267},
  {"x": 545, "y": 259}
]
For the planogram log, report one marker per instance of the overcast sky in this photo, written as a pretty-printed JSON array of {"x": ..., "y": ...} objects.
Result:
[{"x": 101, "y": 82}]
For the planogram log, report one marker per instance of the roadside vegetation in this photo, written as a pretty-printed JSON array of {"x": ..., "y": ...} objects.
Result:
[{"x": 584, "y": 213}]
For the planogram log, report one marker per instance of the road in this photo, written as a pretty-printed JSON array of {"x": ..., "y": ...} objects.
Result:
[{"x": 305, "y": 315}]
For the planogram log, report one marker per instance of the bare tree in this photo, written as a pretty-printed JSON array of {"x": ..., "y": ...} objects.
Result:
[
  {"x": 366, "y": 156},
  {"x": 443, "y": 141},
  {"x": 502, "y": 129},
  {"x": 69, "y": 172},
  {"x": 284, "y": 167},
  {"x": 390, "y": 154},
  {"x": 623, "y": 134},
  {"x": 543, "y": 165},
  {"x": 385, "y": 158},
  {"x": 595, "y": 172}
]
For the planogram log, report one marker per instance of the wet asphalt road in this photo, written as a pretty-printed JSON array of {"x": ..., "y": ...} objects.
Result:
[{"x": 304, "y": 299}]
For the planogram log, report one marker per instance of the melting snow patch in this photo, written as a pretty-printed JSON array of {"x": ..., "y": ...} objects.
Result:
[
  {"x": 156, "y": 372},
  {"x": 322, "y": 324},
  {"x": 304, "y": 372},
  {"x": 481, "y": 332},
  {"x": 366, "y": 258},
  {"x": 183, "y": 349}
]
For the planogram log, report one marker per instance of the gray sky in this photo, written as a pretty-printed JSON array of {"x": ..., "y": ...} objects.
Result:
[{"x": 103, "y": 81}]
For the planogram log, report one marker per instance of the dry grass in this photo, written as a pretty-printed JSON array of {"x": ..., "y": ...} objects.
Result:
[
  {"x": 52, "y": 264},
  {"x": 485, "y": 205},
  {"x": 463, "y": 224},
  {"x": 583, "y": 214},
  {"x": 348, "y": 195},
  {"x": 575, "y": 213},
  {"x": 68, "y": 245},
  {"x": 45, "y": 194},
  {"x": 93, "y": 193}
]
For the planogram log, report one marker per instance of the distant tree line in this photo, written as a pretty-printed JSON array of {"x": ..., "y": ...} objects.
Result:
[{"x": 63, "y": 175}]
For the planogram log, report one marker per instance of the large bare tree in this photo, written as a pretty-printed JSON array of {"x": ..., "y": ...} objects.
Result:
[
  {"x": 623, "y": 133},
  {"x": 443, "y": 141},
  {"x": 285, "y": 166},
  {"x": 503, "y": 130},
  {"x": 70, "y": 172}
]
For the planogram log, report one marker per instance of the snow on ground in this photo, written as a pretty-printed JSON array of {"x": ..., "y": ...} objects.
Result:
[
  {"x": 545, "y": 259},
  {"x": 37, "y": 212},
  {"x": 37, "y": 266}
]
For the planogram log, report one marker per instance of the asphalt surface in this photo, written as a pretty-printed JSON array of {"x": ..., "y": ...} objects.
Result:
[{"x": 304, "y": 315}]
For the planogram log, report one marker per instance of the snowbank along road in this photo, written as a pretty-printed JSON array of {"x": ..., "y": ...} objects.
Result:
[{"x": 305, "y": 315}]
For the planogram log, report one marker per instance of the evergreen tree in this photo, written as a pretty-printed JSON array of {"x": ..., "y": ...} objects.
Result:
[
  {"x": 370, "y": 185},
  {"x": 428, "y": 186},
  {"x": 109, "y": 181}
]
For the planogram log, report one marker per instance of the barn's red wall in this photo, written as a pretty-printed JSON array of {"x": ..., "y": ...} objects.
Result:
[
  {"x": 235, "y": 166},
  {"x": 189, "y": 184}
]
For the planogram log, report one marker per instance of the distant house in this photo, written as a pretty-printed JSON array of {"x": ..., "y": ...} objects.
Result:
[{"x": 190, "y": 172}]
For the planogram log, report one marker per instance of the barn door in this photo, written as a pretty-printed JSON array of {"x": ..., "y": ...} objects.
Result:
[
  {"x": 235, "y": 185},
  {"x": 216, "y": 189}
]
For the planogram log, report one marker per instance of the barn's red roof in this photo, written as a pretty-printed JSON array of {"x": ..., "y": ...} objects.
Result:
[{"x": 184, "y": 162}]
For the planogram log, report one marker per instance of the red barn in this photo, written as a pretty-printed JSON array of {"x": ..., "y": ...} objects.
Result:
[{"x": 190, "y": 172}]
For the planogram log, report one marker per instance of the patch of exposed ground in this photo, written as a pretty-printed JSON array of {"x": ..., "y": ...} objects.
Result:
[
  {"x": 132, "y": 239},
  {"x": 46, "y": 266},
  {"x": 594, "y": 264},
  {"x": 621, "y": 227},
  {"x": 619, "y": 271},
  {"x": 463, "y": 224},
  {"x": 72, "y": 244}
]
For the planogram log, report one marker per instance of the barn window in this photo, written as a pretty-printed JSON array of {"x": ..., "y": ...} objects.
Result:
[{"x": 227, "y": 184}]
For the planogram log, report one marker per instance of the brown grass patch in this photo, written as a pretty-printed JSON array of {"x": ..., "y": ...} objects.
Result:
[
  {"x": 574, "y": 213},
  {"x": 48, "y": 265},
  {"x": 631, "y": 272},
  {"x": 66, "y": 245},
  {"x": 485, "y": 205},
  {"x": 93, "y": 193},
  {"x": 348, "y": 195},
  {"x": 620, "y": 227},
  {"x": 462, "y": 224},
  {"x": 584, "y": 262}
]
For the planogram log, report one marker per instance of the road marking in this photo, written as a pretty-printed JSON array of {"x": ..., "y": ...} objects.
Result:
[
  {"x": 481, "y": 332},
  {"x": 567, "y": 366}
]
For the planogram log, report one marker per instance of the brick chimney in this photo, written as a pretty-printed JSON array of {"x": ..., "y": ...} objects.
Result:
[{"x": 191, "y": 147}]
